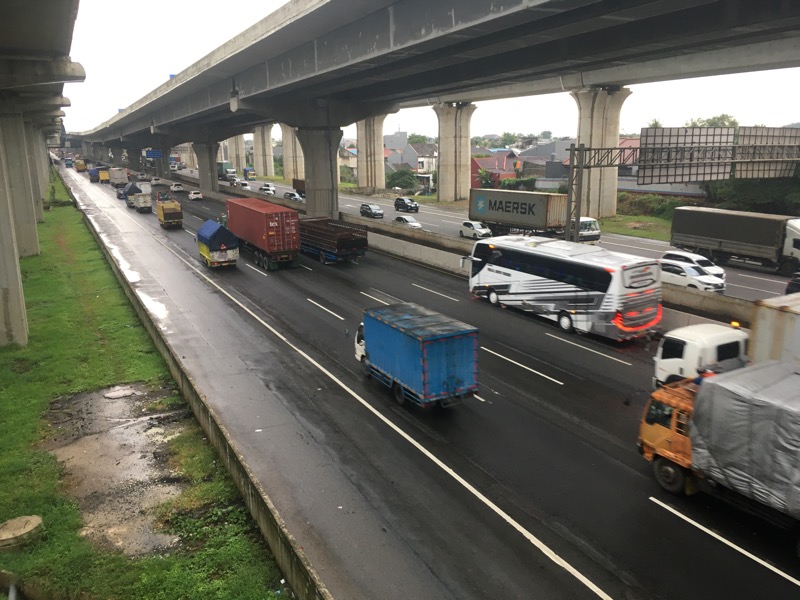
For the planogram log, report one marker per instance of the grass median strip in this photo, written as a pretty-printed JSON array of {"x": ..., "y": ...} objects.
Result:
[{"x": 83, "y": 338}]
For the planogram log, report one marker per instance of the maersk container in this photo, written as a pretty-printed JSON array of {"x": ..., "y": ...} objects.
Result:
[
  {"x": 425, "y": 357},
  {"x": 536, "y": 211},
  {"x": 269, "y": 231}
]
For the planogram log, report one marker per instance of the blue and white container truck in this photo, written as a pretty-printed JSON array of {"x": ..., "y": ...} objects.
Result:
[{"x": 425, "y": 357}]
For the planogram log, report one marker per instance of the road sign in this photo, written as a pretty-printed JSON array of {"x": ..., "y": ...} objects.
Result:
[{"x": 152, "y": 153}]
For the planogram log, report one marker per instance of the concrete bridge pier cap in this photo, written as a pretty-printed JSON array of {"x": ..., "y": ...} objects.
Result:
[
  {"x": 599, "y": 109},
  {"x": 454, "y": 178}
]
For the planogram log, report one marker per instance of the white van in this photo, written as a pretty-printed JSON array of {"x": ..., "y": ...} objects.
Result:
[{"x": 173, "y": 166}]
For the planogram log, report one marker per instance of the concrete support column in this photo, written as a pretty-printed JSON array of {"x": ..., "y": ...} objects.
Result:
[
  {"x": 293, "y": 159},
  {"x": 321, "y": 149},
  {"x": 116, "y": 152},
  {"x": 237, "y": 154},
  {"x": 454, "y": 178},
  {"x": 263, "y": 159},
  {"x": 33, "y": 148},
  {"x": 19, "y": 179},
  {"x": 598, "y": 127},
  {"x": 135, "y": 159},
  {"x": 86, "y": 150},
  {"x": 371, "y": 172},
  {"x": 13, "y": 318},
  {"x": 207, "y": 164}
]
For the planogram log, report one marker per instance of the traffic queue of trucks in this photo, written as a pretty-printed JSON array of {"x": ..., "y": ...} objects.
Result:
[
  {"x": 754, "y": 239},
  {"x": 514, "y": 211}
]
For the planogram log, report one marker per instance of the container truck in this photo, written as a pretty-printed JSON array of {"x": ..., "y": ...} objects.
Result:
[
  {"x": 118, "y": 176},
  {"x": 514, "y": 211},
  {"x": 169, "y": 214},
  {"x": 218, "y": 246},
  {"x": 225, "y": 171},
  {"x": 68, "y": 162},
  {"x": 425, "y": 357},
  {"x": 249, "y": 174},
  {"x": 270, "y": 232},
  {"x": 691, "y": 350},
  {"x": 299, "y": 186},
  {"x": 104, "y": 176},
  {"x": 94, "y": 175},
  {"x": 332, "y": 240},
  {"x": 732, "y": 435},
  {"x": 80, "y": 165},
  {"x": 755, "y": 240}
]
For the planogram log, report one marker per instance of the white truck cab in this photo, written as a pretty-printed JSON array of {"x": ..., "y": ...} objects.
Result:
[{"x": 687, "y": 351}]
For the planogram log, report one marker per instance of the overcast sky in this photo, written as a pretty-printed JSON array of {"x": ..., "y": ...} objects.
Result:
[{"x": 126, "y": 59}]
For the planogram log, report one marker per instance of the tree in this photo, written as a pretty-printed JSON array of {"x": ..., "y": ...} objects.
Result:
[
  {"x": 508, "y": 138},
  {"x": 485, "y": 178},
  {"x": 722, "y": 120},
  {"x": 476, "y": 141},
  {"x": 546, "y": 135},
  {"x": 417, "y": 138},
  {"x": 654, "y": 123},
  {"x": 403, "y": 179}
]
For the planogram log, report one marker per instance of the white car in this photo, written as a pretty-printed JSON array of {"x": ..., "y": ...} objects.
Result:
[
  {"x": 474, "y": 230},
  {"x": 688, "y": 258},
  {"x": 244, "y": 185},
  {"x": 155, "y": 181},
  {"x": 690, "y": 276},
  {"x": 195, "y": 195},
  {"x": 407, "y": 221},
  {"x": 267, "y": 188},
  {"x": 176, "y": 187}
]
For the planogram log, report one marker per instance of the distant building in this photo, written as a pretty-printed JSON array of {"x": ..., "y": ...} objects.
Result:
[{"x": 396, "y": 141}]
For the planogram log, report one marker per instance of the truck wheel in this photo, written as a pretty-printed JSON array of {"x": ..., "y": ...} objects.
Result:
[
  {"x": 460, "y": 233},
  {"x": 565, "y": 322},
  {"x": 399, "y": 396},
  {"x": 365, "y": 367},
  {"x": 493, "y": 299},
  {"x": 669, "y": 476},
  {"x": 474, "y": 236}
]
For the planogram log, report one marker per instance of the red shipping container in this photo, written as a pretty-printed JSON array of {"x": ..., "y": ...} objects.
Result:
[{"x": 268, "y": 227}]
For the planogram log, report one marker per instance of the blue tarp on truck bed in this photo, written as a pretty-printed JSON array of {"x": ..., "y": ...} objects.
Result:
[
  {"x": 216, "y": 237},
  {"x": 433, "y": 356}
]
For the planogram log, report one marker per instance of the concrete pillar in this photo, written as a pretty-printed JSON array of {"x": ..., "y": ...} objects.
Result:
[
  {"x": 371, "y": 172},
  {"x": 598, "y": 127},
  {"x": 454, "y": 180},
  {"x": 135, "y": 159},
  {"x": 116, "y": 152},
  {"x": 207, "y": 164},
  {"x": 263, "y": 160},
  {"x": 33, "y": 147},
  {"x": 293, "y": 160},
  {"x": 236, "y": 153},
  {"x": 21, "y": 196},
  {"x": 321, "y": 151},
  {"x": 13, "y": 318}
]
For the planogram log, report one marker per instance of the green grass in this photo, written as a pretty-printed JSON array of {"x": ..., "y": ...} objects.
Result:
[
  {"x": 644, "y": 227},
  {"x": 84, "y": 335}
]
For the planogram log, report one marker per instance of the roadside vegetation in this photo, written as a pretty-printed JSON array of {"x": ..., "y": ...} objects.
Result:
[{"x": 84, "y": 336}]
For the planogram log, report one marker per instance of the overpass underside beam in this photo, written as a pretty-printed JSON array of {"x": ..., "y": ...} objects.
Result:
[{"x": 321, "y": 150}]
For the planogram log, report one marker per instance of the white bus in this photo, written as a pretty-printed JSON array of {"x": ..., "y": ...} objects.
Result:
[{"x": 583, "y": 288}]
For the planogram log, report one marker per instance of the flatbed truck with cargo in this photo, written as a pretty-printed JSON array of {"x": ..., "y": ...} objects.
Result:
[{"x": 331, "y": 240}]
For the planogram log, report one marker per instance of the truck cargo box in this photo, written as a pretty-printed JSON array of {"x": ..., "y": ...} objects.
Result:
[
  {"x": 218, "y": 246},
  {"x": 432, "y": 356},
  {"x": 536, "y": 211},
  {"x": 332, "y": 240},
  {"x": 775, "y": 329},
  {"x": 271, "y": 230},
  {"x": 169, "y": 214},
  {"x": 745, "y": 433}
]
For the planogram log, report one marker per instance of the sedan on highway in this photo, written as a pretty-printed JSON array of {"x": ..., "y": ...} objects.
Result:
[
  {"x": 156, "y": 181},
  {"x": 244, "y": 185},
  {"x": 697, "y": 260},
  {"x": 474, "y": 230},
  {"x": 690, "y": 276},
  {"x": 195, "y": 195},
  {"x": 293, "y": 196},
  {"x": 371, "y": 210},
  {"x": 407, "y": 221},
  {"x": 176, "y": 187}
]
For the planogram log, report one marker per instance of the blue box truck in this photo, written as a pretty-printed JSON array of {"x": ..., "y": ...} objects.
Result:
[{"x": 425, "y": 357}]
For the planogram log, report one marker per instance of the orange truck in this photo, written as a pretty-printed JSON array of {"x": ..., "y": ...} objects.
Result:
[{"x": 732, "y": 435}]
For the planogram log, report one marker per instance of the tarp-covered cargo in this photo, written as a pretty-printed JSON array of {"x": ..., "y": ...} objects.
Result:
[
  {"x": 218, "y": 246},
  {"x": 745, "y": 433}
]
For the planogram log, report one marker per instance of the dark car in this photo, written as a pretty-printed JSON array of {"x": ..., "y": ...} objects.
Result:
[
  {"x": 371, "y": 210},
  {"x": 406, "y": 204},
  {"x": 794, "y": 284}
]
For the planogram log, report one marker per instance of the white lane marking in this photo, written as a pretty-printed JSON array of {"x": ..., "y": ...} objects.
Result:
[
  {"x": 374, "y": 298},
  {"x": 513, "y": 362},
  {"x": 431, "y": 225},
  {"x": 479, "y": 398},
  {"x": 534, "y": 541},
  {"x": 433, "y": 292},
  {"x": 728, "y": 543},
  {"x": 259, "y": 271},
  {"x": 325, "y": 309},
  {"x": 189, "y": 231},
  {"x": 560, "y": 339},
  {"x": 307, "y": 268},
  {"x": 453, "y": 222},
  {"x": 744, "y": 287},
  {"x": 760, "y": 278},
  {"x": 607, "y": 242}
]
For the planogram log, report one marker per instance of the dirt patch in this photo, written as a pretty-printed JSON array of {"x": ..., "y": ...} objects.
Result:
[{"x": 115, "y": 464}]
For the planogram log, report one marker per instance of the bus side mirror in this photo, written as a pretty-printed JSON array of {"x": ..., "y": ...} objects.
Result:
[{"x": 463, "y": 259}]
